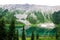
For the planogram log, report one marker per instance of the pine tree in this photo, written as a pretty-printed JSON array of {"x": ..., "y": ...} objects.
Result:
[
  {"x": 2, "y": 29},
  {"x": 37, "y": 36},
  {"x": 23, "y": 34},
  {"x": 56, "y": 21},
  {"x": 32, "y": 36},
  {"x": 17, "y": 36},
  {"x": 11, "y": 33}
]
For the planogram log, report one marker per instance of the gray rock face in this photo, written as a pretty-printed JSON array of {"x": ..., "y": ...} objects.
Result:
[{"x": 43, "y": 8}]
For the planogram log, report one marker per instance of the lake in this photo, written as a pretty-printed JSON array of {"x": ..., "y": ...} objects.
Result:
[{"x": 41, "y": 31}]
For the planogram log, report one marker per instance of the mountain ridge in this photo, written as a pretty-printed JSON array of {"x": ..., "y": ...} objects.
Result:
[{"x": 43, "y": 8}]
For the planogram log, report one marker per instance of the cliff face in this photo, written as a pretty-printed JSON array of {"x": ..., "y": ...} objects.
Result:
[{"x": 29, "y": 7}]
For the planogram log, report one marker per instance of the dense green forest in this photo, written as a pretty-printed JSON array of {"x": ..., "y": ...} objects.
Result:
[
  {"x": 40, "y": 17},
  {"x": 9, "y": 24}
]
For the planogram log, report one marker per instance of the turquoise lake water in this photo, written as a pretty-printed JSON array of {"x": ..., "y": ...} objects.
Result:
[{"x": 41, "y": 31}]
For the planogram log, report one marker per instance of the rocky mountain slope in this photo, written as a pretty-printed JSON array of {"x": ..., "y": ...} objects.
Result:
[{"x": 29, "y": 7}]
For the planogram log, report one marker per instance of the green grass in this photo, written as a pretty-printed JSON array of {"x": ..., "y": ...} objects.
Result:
[
  {"x": 41, "y": 38},
  {"x": 7, "y": 25}
]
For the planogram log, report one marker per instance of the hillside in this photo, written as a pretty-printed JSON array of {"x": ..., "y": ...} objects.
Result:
[{"x": 31, "y": 14}]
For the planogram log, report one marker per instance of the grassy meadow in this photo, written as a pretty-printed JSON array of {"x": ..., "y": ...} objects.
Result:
[{"x": 41, "y": 38}]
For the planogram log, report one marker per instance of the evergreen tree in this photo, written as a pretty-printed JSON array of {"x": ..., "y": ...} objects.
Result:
[
  {"x": 11, "y": 33},
  {"x": 23, "y": 34},
  {"x": 37, "y": 36},
  {"x": 17, "y": 35},
  {"x": 39, "y": 16},
  {"x": 56, "y": 21},
  {"x": 2, "y": 30},
  {"x": 32, "y": 36}
]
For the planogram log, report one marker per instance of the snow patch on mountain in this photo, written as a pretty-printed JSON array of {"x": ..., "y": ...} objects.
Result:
[{"x": 46, "y": 25}]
